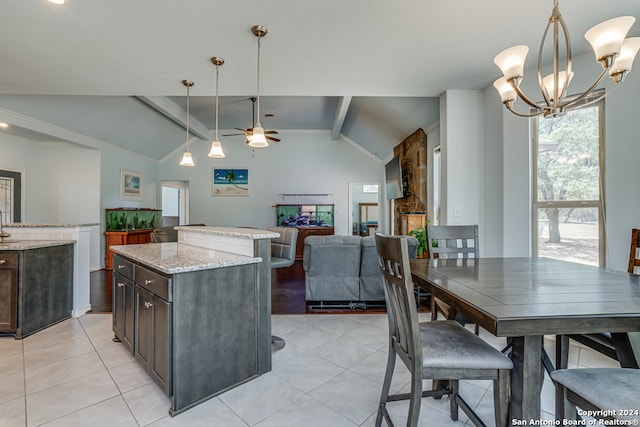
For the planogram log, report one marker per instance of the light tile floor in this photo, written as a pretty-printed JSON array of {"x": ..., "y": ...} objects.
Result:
[{"x": 329, "y": 374}]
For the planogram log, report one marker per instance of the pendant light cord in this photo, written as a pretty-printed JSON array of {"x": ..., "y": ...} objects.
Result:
[
  {"x": 217, "y": 71},
  {"x": 188, "y": 87}
]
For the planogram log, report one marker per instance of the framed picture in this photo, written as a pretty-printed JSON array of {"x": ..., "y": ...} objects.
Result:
[
  {"x": 130, "y": 185},
  {"x": 230, "y": 182}
]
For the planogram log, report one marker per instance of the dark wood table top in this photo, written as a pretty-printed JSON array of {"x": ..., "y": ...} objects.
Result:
[{"x": 534, "y": 296}]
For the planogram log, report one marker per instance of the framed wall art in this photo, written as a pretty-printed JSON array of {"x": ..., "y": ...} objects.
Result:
[
  {"x": 230, "y": 182},
  {"x": 130, "y": 185}
]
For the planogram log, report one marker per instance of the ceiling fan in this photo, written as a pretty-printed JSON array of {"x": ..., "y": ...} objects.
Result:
[{"x": 249, "y": 131}]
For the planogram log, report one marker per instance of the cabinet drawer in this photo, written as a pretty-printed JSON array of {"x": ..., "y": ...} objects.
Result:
[
  {"x": 8, "y": 261},
  {"x": 154, "y": 282},
  {"x": 123, "y": 267}
]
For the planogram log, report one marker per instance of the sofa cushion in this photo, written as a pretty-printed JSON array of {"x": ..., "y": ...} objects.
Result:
[
  {"x": 370, "y": 279},
  {"x": 332, "y": 268}
]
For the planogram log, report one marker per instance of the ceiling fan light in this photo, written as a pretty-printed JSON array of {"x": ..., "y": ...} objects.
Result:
[
  {"x": 187, "y": 159},
  {"x": 511, "y": 61},
  {"x": 257, "y": 139},
  {"x": 628, "y": 53},
  {"x": 216, "y": 150},
  {"x": 606, "y": 38}
]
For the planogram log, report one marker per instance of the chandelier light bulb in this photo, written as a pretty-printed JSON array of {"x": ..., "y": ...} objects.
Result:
[
  {"x": 511, "y": 61},
  {"x": 606, "y": 38}
]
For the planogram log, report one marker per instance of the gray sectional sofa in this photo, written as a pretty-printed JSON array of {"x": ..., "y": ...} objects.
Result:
[{"x": 344, "y": 271}]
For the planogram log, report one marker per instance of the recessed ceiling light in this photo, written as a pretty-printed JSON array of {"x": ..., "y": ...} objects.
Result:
[
  {"x": 3, "y": 125},
  {"x": 56, "y": 1}
]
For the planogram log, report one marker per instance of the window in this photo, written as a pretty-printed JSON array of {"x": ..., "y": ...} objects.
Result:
[{"x": 568, "y": 209}]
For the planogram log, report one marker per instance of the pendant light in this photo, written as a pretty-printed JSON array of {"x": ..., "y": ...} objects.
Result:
[
  {"x": 257, "y": 138},
  {"x": 216, "y": 147},
  {"x": 187, "y": 159}
]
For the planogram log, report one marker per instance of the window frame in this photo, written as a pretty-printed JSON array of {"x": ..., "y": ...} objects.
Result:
[{"x": 536, "y": 205}]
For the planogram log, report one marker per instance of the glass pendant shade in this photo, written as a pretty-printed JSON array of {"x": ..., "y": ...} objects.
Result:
[
  {"x": 511, "y": 61},
  {"x": 549, "y": 82},
  {"x": 258, "y": 139},
  {"x": 187, "y": 159},
  {"x": 216, "y": 150},
  {"x": 628, "y": 53},
  {"x": 606, "y": 38},
  {"x": 506, "y": 91}
]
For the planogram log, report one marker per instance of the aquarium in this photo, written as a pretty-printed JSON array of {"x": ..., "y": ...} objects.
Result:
[
  {"x": 304, "y": 215},
  {"x": 130, "y": 219}
]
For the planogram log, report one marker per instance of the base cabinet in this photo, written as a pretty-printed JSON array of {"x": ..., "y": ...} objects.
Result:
[
  {"x": 196, "y": 333},
  {"x": 36, "y": 288},
  {"x": 8, "y": 292},
  {"x": 123, "y": 291},
  {"x": 153, "y": 337},
  {"x": 115, "y": 238},
  {"x": 303, "y": 232}
]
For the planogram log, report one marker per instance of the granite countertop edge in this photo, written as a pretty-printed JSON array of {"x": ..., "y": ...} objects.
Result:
[
  {"x": 172, "y": 257},
  {"x": 23, "y": 245},
  {"x": 243, "y": 233},
  {"x": 21, "y": 225}
]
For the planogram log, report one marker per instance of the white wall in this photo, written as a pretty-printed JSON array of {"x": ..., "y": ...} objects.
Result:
[
  {"x": 462, "y": 151},
  {"x": 60, "y": 180},
  {"x": 304, "y": 162}
]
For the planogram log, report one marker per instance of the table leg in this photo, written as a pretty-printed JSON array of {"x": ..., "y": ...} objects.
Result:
[{"x": 526, "y": 377}]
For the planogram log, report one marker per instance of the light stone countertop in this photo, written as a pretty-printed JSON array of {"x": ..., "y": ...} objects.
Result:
[
  {"x": 23, "y": 245},
  {"x": 172, "y": 257},
  {"x": 23, "y": 225},
  {"x": 243, "y": 233}
]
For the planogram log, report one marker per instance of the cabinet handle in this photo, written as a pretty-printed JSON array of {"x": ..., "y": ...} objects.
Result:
[
  {"x": 3, "y": 261},
  {"x": 147, "y": 304},
  {"x": 120, "y": 285},
  {"x": 120, "y": 266},
  {"x": 146, "y": 282}
]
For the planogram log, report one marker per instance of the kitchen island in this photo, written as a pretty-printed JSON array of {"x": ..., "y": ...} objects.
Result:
[
  {"x": 196, "y": 314},
  {"x": 36, "y": 285}
]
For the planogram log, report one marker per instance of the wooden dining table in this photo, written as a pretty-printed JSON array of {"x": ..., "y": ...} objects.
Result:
[{"x": 524, "y": 299}]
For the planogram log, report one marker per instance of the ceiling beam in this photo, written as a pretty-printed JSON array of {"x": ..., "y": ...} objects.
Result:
[
  {"x": 341, "y": 113},
  {"x": 172, "y": 111}
]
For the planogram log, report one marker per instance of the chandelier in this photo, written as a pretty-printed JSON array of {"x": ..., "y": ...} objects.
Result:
[{"x": 611, "y": 49}]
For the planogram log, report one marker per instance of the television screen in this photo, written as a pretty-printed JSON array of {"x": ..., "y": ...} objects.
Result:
[{"x": 393, "y": 178}]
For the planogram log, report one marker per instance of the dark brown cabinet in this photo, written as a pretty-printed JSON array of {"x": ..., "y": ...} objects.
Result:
[
  {"x": 8, "y": 292},
  {"x": 152, "y": 325},
  {"x": 36, "y": 288},
  {"x": 115, "y": 238},
  {"x": 123, "y": 302},
  {"x": 303, "y": 232}
]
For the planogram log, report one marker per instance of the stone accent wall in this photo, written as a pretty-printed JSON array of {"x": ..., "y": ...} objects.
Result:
[{"x": 413, "y": 160}]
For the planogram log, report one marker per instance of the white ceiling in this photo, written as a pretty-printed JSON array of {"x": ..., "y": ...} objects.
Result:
[{"x": 104, "y": 68}]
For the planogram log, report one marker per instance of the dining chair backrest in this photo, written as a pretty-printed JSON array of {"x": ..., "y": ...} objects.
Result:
[
  {"x": 453, "y": 241},
  {"x": 634, "y": 253},
  {"x": 404, "y": 332}
]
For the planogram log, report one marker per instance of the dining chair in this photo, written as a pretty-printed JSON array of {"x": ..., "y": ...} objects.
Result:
[
  {"x": 609, "y": 393},
  {"x": 614, "y": 345},
  {"x": 438, "y": 350},
  {"x": 452, "y": 241}
]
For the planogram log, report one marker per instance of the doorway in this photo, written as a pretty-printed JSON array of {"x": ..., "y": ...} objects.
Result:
[
  {"x": 364, "y": 208},
  {"x": 175, "y": 203},
  {"x": 10, "y": 196}
]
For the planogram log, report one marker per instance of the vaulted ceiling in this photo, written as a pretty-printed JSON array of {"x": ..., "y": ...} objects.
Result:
[{"x": 371, "y": 70}]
